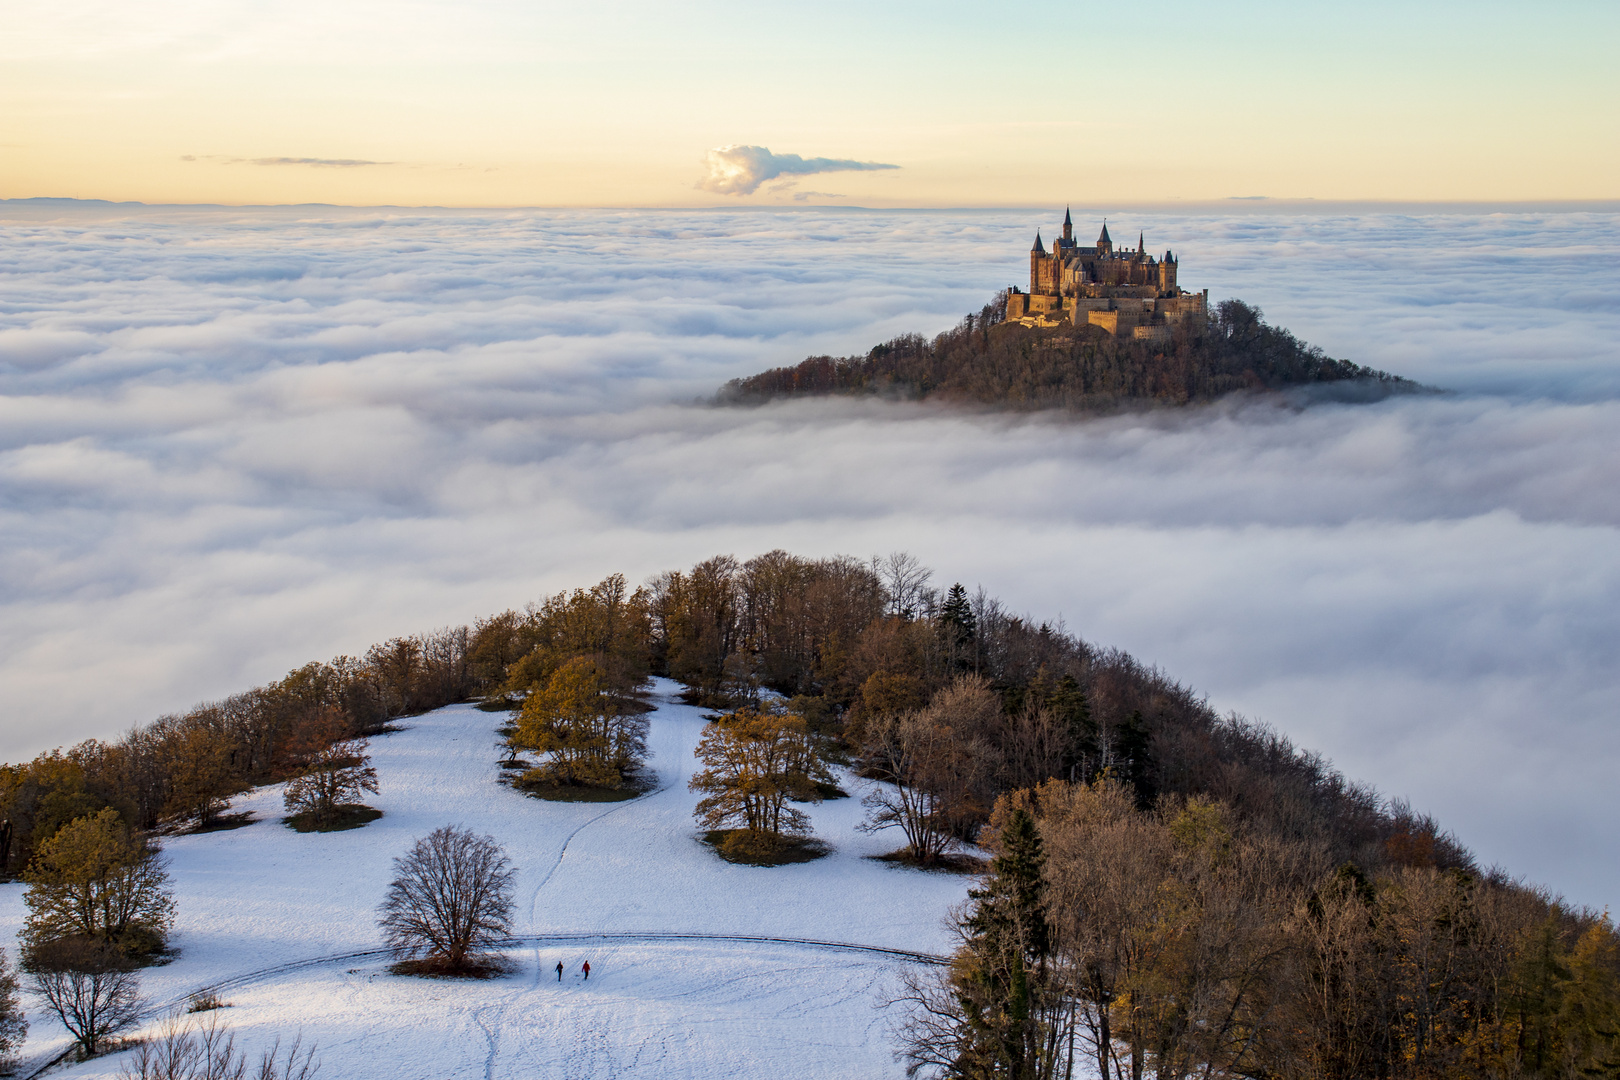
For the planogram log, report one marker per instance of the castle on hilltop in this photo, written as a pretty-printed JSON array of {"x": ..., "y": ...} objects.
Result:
[{"x": 1127, "y": 293}]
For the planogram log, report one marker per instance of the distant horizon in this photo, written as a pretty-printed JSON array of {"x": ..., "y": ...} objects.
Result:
[{"x": 1230, "y": 204}]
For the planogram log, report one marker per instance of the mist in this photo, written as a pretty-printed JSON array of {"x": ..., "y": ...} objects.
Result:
[{"x": 232, "y": 441}]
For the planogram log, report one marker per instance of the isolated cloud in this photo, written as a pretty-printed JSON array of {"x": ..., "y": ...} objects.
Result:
[
  {"x": 233, "y": 441},
  {"x": 739, "y": 170},
  {"x": 319, "y": 163}
]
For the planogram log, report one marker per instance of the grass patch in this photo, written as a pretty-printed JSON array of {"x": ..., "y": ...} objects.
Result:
[
  {"x": 498, "y": 705},
  {"x": 734, "y": 846},
  {"x": 226, "y": 822},
  {"x": 544, "y": 789},
  {"x": 347, "y": 816},
  {"x": 949, "y": 863},
  {"x": 435, "y": 967},
  {"x": 831, "y": 791},
  {"x": 205, "y": 1003}
]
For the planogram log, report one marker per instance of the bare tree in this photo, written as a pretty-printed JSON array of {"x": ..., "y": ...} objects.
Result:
[
  {"x": 905, "y": 583},
  {"x": 94, "y": 996},
  {"x": 297, "y": 1062},
  {"x": 334, "y": 769},
  {"x": 901, "y": 752},
  {"x": 182, "y": 1049},
  {"x": 451, "y": 895}
]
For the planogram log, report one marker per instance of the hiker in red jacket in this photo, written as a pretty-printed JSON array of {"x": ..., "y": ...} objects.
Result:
[{"x": 587, "y": 969}]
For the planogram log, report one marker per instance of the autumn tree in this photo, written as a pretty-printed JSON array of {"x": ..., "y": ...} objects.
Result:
[
  {"x": 588, "y": 735},
  {"x": 202, "y": 774},
  {"x": 755, "y": 762},
  {"x": 608, "y": 623},
  {"x": 331, "y": 770},
  {"x": 451, "y": 896},
  {"x": 95, "y": 880}
]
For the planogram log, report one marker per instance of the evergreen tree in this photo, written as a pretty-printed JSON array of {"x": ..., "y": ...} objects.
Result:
[
  {"x": 1000, "y": 977},
  {"x": 1133, "y": 756},
  {"x": 1069, "y": 702},
  {"x": 13, "y": 1020},
  {"x": 956, "y": 614}
]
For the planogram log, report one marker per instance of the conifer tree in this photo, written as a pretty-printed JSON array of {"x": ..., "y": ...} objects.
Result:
[
  {"x": 1134, "y": 757},
  {"x": 13, "y": 1021},
  {"x": 956, "y": 614},
  {"x": 1071, "y": 706},
  {"x": 1001, "y": 977}
]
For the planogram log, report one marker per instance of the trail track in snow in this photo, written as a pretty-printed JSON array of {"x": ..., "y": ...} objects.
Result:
[{"x": 669, "y": 1005}]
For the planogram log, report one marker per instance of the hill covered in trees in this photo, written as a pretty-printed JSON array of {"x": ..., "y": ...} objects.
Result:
[
  {"x": 984, "y": 360},
  {"x": 1174, "y": 892}
]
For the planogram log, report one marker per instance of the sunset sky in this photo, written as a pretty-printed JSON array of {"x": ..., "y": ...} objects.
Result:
[{"x": 500, "y": 103}]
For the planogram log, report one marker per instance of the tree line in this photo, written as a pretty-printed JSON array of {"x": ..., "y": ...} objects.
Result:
[
  {"x": 1187, "y": 940},
  {"x": 985, "y": 360}
]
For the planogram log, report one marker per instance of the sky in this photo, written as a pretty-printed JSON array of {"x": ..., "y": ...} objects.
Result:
[
  {"x": 233, "y": 441},
  {"x": 490, "y": 103}
]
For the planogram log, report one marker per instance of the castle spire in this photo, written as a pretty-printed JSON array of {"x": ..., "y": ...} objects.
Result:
[
  {"x": 1068, "y": 227},
  {"x": 1103, "y": 239},
  {"x": 1139, "y": 238},
  {"x": 1038, "y": 249}
]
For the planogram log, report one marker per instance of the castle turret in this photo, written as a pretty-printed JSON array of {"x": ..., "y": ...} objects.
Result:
[
  {"x": 1105, "y": 246},
  {"x": 1037, "y": 255},
  {"x": 1140, "y": 247},
  {"x": 1068, "y": 228}
]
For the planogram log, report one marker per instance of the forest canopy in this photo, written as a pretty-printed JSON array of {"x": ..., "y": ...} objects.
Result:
[{"x": 984, "y": 360}]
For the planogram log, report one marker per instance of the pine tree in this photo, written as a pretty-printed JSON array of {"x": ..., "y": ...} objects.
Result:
[
  {"x": 13, "y": 1020},
  {"x": 956, "y": 614},
  {"x": 1134, "y": 757},
  {"x": 1000, "y": 976},
  {"x": 1069, "y": 702}
]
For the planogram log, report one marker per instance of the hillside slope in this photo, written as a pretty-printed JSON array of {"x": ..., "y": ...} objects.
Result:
[
  {"x": 256, "y": 898},
  {"x": 985, "y": 361}
]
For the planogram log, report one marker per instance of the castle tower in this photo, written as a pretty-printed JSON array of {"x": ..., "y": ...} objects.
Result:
[
  {"x": 1105, "y": 246},
  {"x": 1068, "y": 229},
  {"x": 1037, "y": 255},
  {"x": 1140, "y": 247}
]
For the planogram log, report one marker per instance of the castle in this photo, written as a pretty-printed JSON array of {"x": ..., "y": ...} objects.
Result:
[{"x": 1127, "y": 293}]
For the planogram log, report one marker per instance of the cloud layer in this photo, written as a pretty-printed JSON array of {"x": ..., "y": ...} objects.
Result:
[
  {"x": 234, "y": 441},
  {"x": 740, "y": 170}
]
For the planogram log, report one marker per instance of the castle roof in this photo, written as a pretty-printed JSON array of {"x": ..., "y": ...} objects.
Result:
[
  {"x": 1103, "y": 239},
  {"x": 1039, "y": 247}
]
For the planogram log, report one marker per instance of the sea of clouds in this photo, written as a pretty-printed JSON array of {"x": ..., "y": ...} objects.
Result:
[{"x": 235, "y": 440}]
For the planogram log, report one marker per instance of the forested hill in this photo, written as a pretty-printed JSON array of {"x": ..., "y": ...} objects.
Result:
[{"x": 986, "y": 361}]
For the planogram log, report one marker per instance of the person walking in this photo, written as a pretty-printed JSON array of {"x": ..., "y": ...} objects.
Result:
[
  {"x": 587, "y": 969},
  {"x": 559, "y": 971}
]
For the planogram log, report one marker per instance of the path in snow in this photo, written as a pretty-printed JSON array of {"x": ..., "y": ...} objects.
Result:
[{"x": 691, "y": 976}]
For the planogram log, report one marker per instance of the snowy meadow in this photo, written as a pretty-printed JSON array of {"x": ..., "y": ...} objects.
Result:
[{"x": 237, "y": 440}]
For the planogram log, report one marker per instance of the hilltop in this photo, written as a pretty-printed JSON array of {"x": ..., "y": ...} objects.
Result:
[{"x": 985, "y": 360}]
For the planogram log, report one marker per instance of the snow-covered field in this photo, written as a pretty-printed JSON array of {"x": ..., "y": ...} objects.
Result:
[{"x": 614, "y": 883}]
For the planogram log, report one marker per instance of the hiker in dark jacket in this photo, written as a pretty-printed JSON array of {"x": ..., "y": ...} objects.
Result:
[{"x": 559, "y": 971}]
